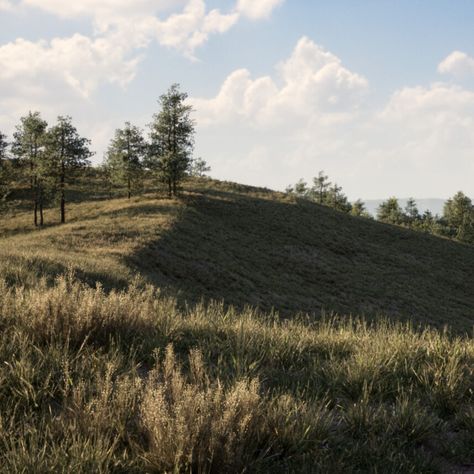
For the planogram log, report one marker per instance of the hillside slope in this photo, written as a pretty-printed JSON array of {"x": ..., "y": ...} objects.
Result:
[{"x": 250, "y": 246}]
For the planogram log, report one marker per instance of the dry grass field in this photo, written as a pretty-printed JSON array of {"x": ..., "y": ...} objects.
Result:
[{"x": 213, "y": 333}]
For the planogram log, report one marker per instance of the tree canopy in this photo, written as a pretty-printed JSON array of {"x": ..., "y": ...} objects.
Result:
[{"x": 172, "y": 138}]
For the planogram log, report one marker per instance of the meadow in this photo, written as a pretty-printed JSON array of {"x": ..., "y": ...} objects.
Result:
[{"x": 214, "y": 333}]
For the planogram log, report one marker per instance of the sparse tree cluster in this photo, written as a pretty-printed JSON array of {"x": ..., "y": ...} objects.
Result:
[
  {"x": 46, "y": 160},
  {"x": 457, "y": 221},
  {"x": 165, "y": 157},
  {"x": 327, "y": 194}
]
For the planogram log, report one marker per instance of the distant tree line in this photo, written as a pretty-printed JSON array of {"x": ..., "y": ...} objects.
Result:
[
  {"x": 323, "y": 192},
  {"x": 456, "y": 222},
  {"x": 47, "y": 159}
]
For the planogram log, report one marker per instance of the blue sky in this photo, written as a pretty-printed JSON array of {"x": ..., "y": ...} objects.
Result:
[{"x": 379, "y": 94}]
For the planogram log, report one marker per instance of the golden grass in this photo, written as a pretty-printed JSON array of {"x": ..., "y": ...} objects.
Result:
[
  {"x": 104, "y": 369},
  {"x": 96, "y": 381}
]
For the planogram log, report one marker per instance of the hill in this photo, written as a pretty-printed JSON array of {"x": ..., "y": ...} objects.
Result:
[
  {"x": 249, "y": 246},
  {"x": 134, "y": 376}
]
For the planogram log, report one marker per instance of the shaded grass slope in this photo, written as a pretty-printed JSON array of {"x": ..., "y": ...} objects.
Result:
[{"x": 249, "y": 246}]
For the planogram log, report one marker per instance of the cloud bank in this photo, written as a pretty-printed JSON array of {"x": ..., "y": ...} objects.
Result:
[{"x": 314, "y": 113}]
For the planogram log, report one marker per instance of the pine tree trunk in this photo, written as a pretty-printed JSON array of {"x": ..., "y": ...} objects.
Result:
[
  {"x": 34, "y": 192},
  {"x": 169, "y": 187},
  {"x": 129, "y": 188},
  {"x": 39, "y": 203},
  {"x": 63, "y": 194},
  {"x": 63, "y": 207},
  {"x": 174, "y": 188}
]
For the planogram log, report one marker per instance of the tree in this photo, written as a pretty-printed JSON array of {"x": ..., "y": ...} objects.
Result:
[
  {"x": 411, "y": 212},
  {"x": 429, "y": 223},
  {"x": 199, "y": 168},
  {"x": 5, "y": 169},
  {"x": 3, "y": 148},
  {"x": 358, "y": 209},
  {"x": 172, "y": 138},
  {"x": 28, "y": 147},
  {"x": 125, "y": 157},
  {"x": 320, "y": 187},
  {"x": 336, "y": 199},
  {"x": 301, "y": 188},
  {"x": 458, "y": 213},
  {"x": 67, "y": 151},
  {"x": 390, "y": 212}
]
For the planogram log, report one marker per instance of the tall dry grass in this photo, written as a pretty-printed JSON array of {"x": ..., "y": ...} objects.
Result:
[{"x": 123, "y": 381}]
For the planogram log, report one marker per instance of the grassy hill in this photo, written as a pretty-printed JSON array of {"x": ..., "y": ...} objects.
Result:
[
  {"x": 145, "y": 373},
  {"x": 251, "y": 247}
]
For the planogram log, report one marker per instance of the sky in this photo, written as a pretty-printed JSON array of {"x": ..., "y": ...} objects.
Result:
[{"x": 379, "y": 94}]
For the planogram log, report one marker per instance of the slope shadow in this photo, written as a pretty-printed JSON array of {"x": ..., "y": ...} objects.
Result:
[{"x": 301, "y": 257}]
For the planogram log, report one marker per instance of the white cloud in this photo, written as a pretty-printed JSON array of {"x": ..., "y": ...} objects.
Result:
[
  {"x": 437, "y": 102},
  {"x": 5, "y": 5},
  {"x": 59, "y": 77},
  {"x": 103, "y": 9},
  {"x": 458, "y": 64},
  {"x": 257, "y": 9},
  {"x": 181, "y": 24},
  {"x": 314, "y": 113},
  {"x": 62, "y": 75},
  {"x": 191, "y": 28},
  {"x": 80, "y": 62},
  {"x": 314, "y": 85}
]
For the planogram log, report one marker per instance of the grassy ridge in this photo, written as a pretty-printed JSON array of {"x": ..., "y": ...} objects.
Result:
[
  {"x": 127, "y": 382},
  {"x": 249, "y": 246}
]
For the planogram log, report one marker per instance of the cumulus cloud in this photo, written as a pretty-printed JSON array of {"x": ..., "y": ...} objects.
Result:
[
  {"x": 82, "y": 63},
  {"x": 257, "y": 9},
  {"x": 437, "y": 102},
  {"x": 181, "y": 24},
  {"x": 458, "y": 64},
  {"x": 60, "y": 77},
  {"x": 191, "y": 28},
  {"x": 314, "y": 113},
  {"x": 311, "y": 84}
]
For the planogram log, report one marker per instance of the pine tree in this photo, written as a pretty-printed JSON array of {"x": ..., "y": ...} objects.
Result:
[
  {"x": 301, "y": 188},
  {"x": 320, "y": 189},
  {"x": 358, "y": 209},
  {"x": 199, "y": 168},
  {"x": 172, "y": 139},
  {"x": 458, "y": 213},
  {"x": 125, "y": 157},
  {"x": 336, "y": 199},
  {"x": 66, "y": 152},
  {"x": 28, "y": 146},
  {"x": 390, "y": 212},
  {"x": 411, "y": 212},
  {"x": 5, "y": 168}
]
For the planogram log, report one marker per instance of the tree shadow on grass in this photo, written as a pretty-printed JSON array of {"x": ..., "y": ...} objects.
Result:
[{"x": 301, "y": 257}]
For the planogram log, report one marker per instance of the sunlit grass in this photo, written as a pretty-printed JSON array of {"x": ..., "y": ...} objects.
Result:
[{"x": 96, "y": 381}]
